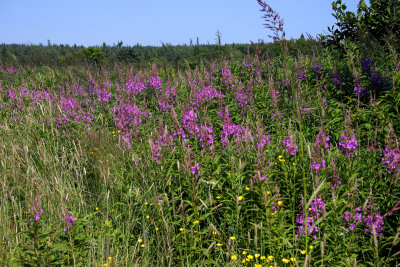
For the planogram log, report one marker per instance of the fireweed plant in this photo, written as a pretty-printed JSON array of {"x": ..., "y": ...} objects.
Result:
[{"x": 278, "y": 162}]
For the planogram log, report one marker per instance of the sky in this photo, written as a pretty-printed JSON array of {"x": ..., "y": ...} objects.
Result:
[{"x": 92, "y": 22}]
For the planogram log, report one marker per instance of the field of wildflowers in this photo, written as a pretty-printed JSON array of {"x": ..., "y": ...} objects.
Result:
[
  {"x": 267, "y": 162},
  {"x": 285, "y": 161}
]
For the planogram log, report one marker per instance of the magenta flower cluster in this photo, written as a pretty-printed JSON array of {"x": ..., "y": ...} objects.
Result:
[
  {"x": 321, "y": 146},
  {"x": 204, "y": 133},
  {"x": 306, "y": 223},
  {"x": 128, "y": 116},
  {"x": 69, "y": 221},
  {"x": 195, "y": 169},
  {"x": 364, "y": 219},
  {"x": 227, "y": 77},
  {"x": 166, "y": 98},
  {"x": 391, "y": 159},
  {"x": 260, "y": 178},
  {"x": 262, "y": 141},
  {"x": 359, "y": 90},
  {"x": 103, "y": 95},
  {"x": 155, "y": 82},
  {"x": 239, "y": 133},
  {"x": 207, "y": 94},
  {"x": 291, "y": 147},
  {"x": 35, "y": 211},
  {"x": 72, "y": 112},
  {"x": 8, "y": 70},
  {"x": 243, "y": 99},
  {"x": 348, "y": 145},
  {"x": 135, "y": 85},
  {"x": 156, "y": 147}
]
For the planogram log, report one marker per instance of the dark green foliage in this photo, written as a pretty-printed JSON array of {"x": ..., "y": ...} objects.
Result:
[
  {"x": 179, "y": 56},
  {"x": 371, "y": 28}
]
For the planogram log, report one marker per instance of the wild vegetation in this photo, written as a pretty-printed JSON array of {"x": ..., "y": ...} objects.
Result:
[{"x": 284, "y": 160}]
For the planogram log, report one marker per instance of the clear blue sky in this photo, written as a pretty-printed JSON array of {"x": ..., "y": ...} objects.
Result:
[{"x": 92, "y": 22}]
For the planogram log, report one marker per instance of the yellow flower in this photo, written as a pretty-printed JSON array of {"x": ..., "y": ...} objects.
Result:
[
  {"x": 195, "y": 231},
  {"x": 293, "y": 259},
  {"x": 146, "y": 203},
  {"x": 263, "y": 258},
  {"x": 119, "y": 131},
  {"x": 147, "y": 217},
  {"x": 267, "y": 150},
  {"x": 97, "y": 208},
  {"x": 294, "y": 164},
  {"x": 181, "y": 229},
  {"x": 250, "y": 257},
  {"x": 268, "y": 192},
  {"x": 311, "y": 247},
  {"x": 280, "y": 202},
  {"x": 196, "y": 222},
  {"x": 244, "y": 252},
  {"x": 232, "y": 238},
  {"x": 105, "y": 265},
  {"x": 244, "y": 260},
  {"x": 275, "y": 212},
  {"x": 219, "y": 245},
  {"x": 282, "y": 160},
  {"x": 109, "y": 258},
  {"x": 257, "y": 265},
  {"x": 218, "y": 197},
  {"x": 214, "y": 232},
  {"x": 157, "y": 229},
  {"x": 280, "y": 157},
  {"x": 257, "y": 255},
  {"x": 240, "y": 198},
  {"x": 303, "y": 252},
  {"x": 285, "y": 260},
  {"x": 233, "y": 257},
  {"x": 142, "y": 246},
  {"x": 270, "y": 258},
  {"x": 140, "y": 240},
  {"x": 247, "y": 188}
]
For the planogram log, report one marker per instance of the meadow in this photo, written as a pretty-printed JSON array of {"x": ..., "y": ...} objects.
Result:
[
  {"x": 284, "y": 162},
  {"x": 291, "y": 160}
]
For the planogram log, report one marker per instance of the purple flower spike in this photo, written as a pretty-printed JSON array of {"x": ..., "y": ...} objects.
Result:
[
  {"x": 352, "y": 227},
  {"x": 36, "y": 217}
]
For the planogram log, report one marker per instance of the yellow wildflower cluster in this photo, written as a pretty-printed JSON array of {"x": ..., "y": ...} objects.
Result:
[{"x": 115, "y": 133}]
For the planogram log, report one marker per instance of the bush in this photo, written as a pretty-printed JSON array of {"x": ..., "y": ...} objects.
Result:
[{"x": 375, "y": 25}]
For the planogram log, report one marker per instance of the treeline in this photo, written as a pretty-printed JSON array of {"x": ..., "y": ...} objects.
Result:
[{"x": 182, "y": 56}]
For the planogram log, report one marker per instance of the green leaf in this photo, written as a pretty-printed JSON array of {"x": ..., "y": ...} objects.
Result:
[{"x": 315, "y": 193}]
